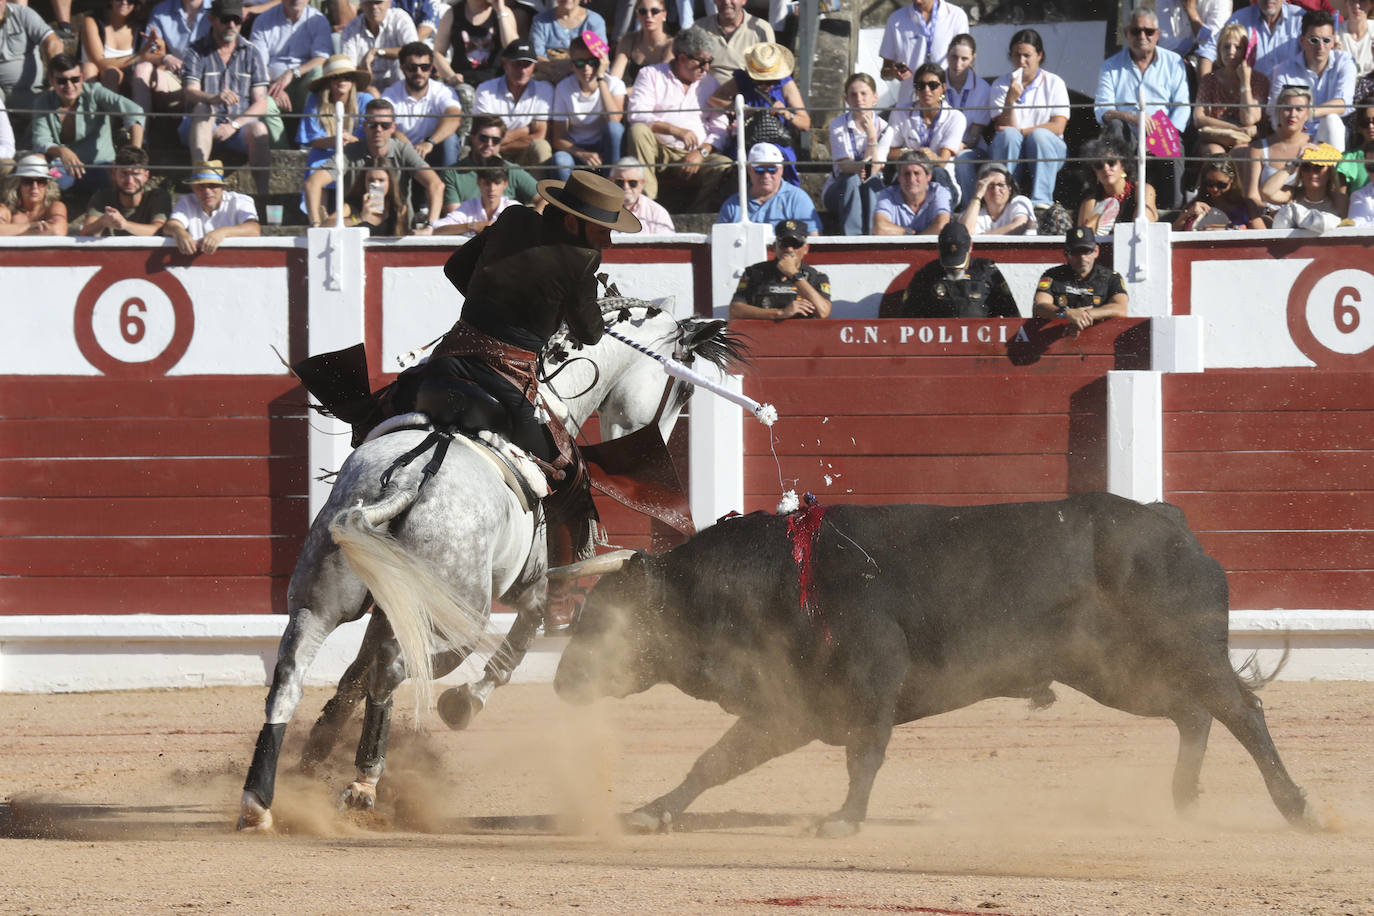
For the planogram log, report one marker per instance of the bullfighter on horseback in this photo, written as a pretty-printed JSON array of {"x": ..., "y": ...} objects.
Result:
[{"x": 521, "y": 278}]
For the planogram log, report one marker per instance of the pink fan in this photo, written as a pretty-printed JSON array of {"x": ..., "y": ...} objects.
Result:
[{"x": 596, "y": 44}]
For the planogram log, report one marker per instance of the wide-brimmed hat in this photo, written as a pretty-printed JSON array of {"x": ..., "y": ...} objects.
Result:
[
  {"x": 593, "y": 198},
  {"x": 34, "y": 165},
  {"x": 769, "y": 61},
  {"x": 341, "y": 65},
  {"x": 1322, "y": 154},
  {"x": 211, "y": 172}
]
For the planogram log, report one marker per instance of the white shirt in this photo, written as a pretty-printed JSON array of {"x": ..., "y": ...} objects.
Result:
[
  {"x": 1362, "y": 206},
  {"x": 974, "y": 100},
  {"x": 471, "y": 211},
  {"x": 1360, "y": 51},
  {"x": 419, "y": 118},
  {"x": 1015, "y": 209},
  {"x": 495, "y": 98},
  {"x": 1176, "y": 32},
  {"x": 910, "y": 40},
  {"x": 1046, "y": 97},
  {"x": 912, "y": 132},
  {"x": 234, "y": 209},
  {"x": 397, "y": 30},
  {"x": 584, "y": 113},
  {"x": 849, "y": 142}
]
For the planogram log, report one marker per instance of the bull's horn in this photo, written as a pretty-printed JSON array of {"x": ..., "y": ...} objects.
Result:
[{"x": 596, "y": 566}]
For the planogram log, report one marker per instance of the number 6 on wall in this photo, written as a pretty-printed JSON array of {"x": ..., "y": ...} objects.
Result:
[
  {"x": 1326, "y": 308},
  {"x": 131, "y": 323}
]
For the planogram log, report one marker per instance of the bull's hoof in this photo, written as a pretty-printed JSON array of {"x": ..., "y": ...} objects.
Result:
[
  {"x": 833, "y": 828},
  {"x": 457, "y": 706},
  {"x": 254, "y": 816},
  {"x": 646, "y": 821},
  {"x": 359, "y": 796}
]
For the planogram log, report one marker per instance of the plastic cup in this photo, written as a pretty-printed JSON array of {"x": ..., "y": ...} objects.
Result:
[{"x": 274, "y": 214}]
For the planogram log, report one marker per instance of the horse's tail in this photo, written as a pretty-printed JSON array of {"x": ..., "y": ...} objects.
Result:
[{"x": 418, "y": 603}]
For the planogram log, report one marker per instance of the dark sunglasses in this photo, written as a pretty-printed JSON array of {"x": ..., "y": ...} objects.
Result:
[
  {"x": 417, "y": 68},
  {"x": 1216, "y": 185},
  {"x": 29, "y": 181},
  {"x": 1319, "y": 40},
  {"x": 929, "y": 84},
  {"x": 379, "y": 125},
  {"x": 485, "y": 138},
  {"x": 66, "y": 80},
  {"x": 626, "y": 182},
  {"x": 703, "y": 61},
  {"x": 765, "y": 169},
  {"x": 1138, "y": 30},
  {"x": 790, "y": 244},
  {"x": 1311, "y": 167},
  {"x": 231, "y": 20},
  {"x": 1104, "y": 163},
  {"x": 584, "y": 61},
  {"x": 647, "y": 11}
]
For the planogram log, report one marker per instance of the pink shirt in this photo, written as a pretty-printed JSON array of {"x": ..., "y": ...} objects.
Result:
[
  {"x": 652, "y": 216},
  {"x": 658, "y": 95}
]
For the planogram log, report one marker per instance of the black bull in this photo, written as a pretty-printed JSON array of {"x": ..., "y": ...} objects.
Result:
[{"x": 918, "y": 610}]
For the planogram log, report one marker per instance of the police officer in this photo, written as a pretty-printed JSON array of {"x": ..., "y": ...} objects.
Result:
[
  {"x": 785, "y": 287},
  {"x": 1081, "y": 291},
  {"x": 956, "y": 285}
]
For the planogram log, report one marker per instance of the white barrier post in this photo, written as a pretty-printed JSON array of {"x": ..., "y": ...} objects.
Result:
[
  {"x": 1135, "y": 435},
  {"x": 339, "y": 165},
  {"x": 741, "y": 154},
  {"x": 715, "y": 449}
]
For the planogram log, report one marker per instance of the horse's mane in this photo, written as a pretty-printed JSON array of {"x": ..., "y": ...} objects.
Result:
[{"x": 707, "y": 338}]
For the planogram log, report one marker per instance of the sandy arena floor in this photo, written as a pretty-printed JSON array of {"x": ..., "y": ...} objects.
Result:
[{"x": 125, "y": 803}]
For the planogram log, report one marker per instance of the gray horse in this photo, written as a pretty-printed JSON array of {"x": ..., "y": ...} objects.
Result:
[{"x": 444, "y": 552}]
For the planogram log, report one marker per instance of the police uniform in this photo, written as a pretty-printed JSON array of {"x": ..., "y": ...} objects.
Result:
[
  {"x": 764, "y": 286},
  {"x": 1067, "y": 291},
  {"x": 981, "y": 293}
]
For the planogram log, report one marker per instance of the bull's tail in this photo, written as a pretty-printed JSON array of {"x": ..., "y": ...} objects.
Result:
[
  {"x": 1253, "y": 677},
  {"x": 422, "y": 608}
]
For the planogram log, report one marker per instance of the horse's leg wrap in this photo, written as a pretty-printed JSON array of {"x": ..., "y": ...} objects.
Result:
[
  {"x": 372, "y": 743},
  {"x": 512, "y": 651},
  {"x": 262, "y": 774}
]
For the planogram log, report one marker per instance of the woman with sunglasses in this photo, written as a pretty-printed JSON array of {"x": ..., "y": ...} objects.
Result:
[
  {"x": 586, "y": 125},
  {"x": 1359, "y": 154},
  {"x": 1230, "y": 99},
  {"x": 1032, "y": 111},
  {"x": 931, "y": 127},
  {"x": 648, "y": 45},
  {"x": 339, "y": 81},
  {"x": 109, "y": 40},
  {"x": 1308, "y": 191},
  {"x": 30, "y": 202},
  {"x": 1114, "y": 197},
  {"x": 995, "y": 208},
  {"x": 1256, "y": 163},
  {"x": 552, "y": 33},
  {"x": 778, "y": 110},
  {"x": 468, "y": 42},
  {"x": 859, "y": 140},
  {"x": 1219, "y": 202}
]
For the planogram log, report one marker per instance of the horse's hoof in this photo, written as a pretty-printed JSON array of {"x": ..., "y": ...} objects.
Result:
[
  {"x": 359, "y": 796},
  {"x": 254, "y": 817},
  {"x": 457, "y": 706},
  {"x": 835, "y": 828},
  {"x": 644, "y": 821}
]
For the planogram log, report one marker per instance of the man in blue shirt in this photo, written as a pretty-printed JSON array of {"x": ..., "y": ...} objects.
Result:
[
  {"x": 770, "y": 198},
  {"x": 913, "y": 205},
  {"x": 1276, "y": 27},
  {"x": 1161, "y": 72},
  {"x": 294, "y": 39},
  {"x": 1329, "y": 73}
]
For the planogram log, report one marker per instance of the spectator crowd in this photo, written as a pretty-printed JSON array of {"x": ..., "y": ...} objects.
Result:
[{"x": 1255, "y": 115}]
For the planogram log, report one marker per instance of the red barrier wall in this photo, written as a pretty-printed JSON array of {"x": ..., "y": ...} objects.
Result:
[{"x": 954, "y": 412}]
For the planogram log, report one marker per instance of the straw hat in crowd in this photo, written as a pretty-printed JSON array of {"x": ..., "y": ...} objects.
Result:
[
  {"x": 769, "y": 62},
  {"x": 337, "y": 65}
]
